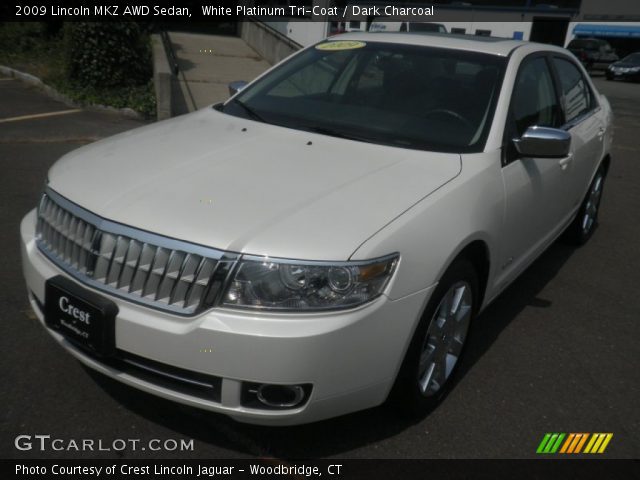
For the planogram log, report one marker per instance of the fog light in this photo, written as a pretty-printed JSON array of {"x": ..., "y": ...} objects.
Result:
[
  {"x": 274, "y": 397},
  {"x": 280, "y": 396}
]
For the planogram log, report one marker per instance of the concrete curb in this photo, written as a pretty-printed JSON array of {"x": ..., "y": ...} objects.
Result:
[
  {"x": 53, "y": 93},
  {"x": 162, "y": 78}
]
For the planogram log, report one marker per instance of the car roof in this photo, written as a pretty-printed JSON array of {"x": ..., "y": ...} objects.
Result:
[{"x": 472, "y": 43}]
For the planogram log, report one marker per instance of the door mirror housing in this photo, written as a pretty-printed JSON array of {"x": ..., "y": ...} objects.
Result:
[
  {"x": 235, "y": 87},
  {"x": 543, "y": 142}
]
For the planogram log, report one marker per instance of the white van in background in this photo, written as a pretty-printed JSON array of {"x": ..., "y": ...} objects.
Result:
[
  {"x": 336, "y": 28},
  {"x": 379, "y": 25}
]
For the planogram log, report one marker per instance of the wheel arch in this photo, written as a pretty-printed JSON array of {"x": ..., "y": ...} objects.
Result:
[{"x": 477, "y": 253}]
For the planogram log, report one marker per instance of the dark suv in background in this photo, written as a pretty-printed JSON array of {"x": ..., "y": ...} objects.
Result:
[{"x": 594, "y": 53}]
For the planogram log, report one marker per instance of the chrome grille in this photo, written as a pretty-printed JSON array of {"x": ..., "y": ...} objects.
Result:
[{"x": 140, "y": 266}]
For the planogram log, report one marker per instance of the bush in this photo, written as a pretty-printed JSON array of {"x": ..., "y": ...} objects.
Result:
[
  {"x": 19, "y": 37},
  {"x": 107, "y": 54}
]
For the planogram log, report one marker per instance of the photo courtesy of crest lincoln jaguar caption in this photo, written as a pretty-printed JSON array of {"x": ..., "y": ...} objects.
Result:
[{"x": 322, "y": 241}]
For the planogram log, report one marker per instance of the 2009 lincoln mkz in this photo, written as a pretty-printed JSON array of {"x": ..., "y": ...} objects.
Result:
[{"x": 321, "y": 242}]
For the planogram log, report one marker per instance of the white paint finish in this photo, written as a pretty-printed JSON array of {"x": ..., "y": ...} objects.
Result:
[
  {"x": 201, "y": 178},
  {"x": 209, "y": 182},
  {"x": 274, "y": 348}
]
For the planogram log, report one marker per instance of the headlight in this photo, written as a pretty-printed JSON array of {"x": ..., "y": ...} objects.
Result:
[{"x": 277, "y": 284}]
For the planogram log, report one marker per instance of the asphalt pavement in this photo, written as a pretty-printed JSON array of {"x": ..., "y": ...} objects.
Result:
[{"x": 557, "y": 352}]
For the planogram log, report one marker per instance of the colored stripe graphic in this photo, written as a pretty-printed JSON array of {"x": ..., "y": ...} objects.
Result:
[
  {"x": 581, "y": 443},
  {"x": 598, "y": 442},
  {"x": 573, "y": 443},
  {"x": 567, "y": 442},
  {"x": 550, "y": 443},
  {"x": 544, "y": 441}
]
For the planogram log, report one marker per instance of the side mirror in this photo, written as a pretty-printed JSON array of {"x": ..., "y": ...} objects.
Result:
[
  {"x": 235, "y": 87},
  {"x": 543, "y": 142}
]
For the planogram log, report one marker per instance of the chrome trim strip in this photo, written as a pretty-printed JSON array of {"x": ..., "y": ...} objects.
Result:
[
  {"x": 149, "y": 272},
  {"x": 196, "y": 274},
  {"x": 320, "y": 263},
  {"x": 580, "y": 118},
  {"x": 176, "y": 283},
  {"x": 164, "y": 275},
  {"x": 167, "y": 375}
]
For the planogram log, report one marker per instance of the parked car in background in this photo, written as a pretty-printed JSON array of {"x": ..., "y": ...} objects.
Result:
[
  {"x": 322, "y": 241},
  {"x": 594, "y": 53},
  {"x": 626, "y": 69}
]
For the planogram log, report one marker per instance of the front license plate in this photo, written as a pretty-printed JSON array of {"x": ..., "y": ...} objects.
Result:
[{"x": 86, "y": 319}]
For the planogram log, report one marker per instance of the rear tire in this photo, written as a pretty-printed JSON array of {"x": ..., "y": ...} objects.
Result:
[
  {"x": 586, "y": 221},
  {"x": 438, "y": 343}
]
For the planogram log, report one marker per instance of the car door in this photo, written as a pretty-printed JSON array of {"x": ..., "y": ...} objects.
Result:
[
  {"x": 584, "y": 120},
  {"x": 537, "y": 200}
]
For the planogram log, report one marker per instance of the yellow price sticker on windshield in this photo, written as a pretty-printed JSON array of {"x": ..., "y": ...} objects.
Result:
[{"x": 340, "y": 45}]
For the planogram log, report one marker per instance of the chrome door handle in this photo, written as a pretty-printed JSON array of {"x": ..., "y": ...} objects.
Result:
[{"x": 601, "y": 131}]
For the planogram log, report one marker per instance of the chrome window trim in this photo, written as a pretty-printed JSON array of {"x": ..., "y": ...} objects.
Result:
[
  {"x": 580, "y": 118},
  {"x": 595, "y": 107}
]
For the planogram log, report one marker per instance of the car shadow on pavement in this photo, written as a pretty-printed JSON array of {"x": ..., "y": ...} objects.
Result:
[{"x": 349, "y": 432}]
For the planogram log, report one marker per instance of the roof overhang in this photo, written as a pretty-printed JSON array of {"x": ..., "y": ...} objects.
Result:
[{"x": 620, "y": 31}]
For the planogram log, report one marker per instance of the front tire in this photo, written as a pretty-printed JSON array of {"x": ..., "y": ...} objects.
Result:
[{"x": 438, "y": 342}]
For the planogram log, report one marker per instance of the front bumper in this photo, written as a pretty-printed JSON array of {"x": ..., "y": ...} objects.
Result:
[{"x": 350, "y": 358}]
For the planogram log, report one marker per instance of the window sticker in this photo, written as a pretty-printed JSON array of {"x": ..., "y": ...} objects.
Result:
[{"x": 340, "y": 45}]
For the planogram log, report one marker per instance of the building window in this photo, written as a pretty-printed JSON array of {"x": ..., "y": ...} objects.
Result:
[
  {"x": 483, "y": 33},
  {"x": 458, "y": 30}
]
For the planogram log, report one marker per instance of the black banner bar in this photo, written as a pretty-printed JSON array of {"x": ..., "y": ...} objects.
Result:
[
  {"x": 315, "y": 10},
  {"x": 338, "y": 469}
]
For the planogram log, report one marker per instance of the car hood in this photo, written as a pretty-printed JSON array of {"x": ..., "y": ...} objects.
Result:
[{"x": 244, "y": 186}]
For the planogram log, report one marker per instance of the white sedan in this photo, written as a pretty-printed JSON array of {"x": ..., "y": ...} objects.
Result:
[{"x": 320, "y": 243}]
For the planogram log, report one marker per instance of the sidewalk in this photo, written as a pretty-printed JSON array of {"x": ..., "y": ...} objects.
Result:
[{"x": 208, "y": 63}]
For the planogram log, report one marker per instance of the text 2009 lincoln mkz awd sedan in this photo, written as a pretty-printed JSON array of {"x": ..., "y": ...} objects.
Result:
[{"x": 320, "y": 242}]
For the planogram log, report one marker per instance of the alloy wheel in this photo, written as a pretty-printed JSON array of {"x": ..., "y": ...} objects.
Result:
[{"x": 445, "y": 338}]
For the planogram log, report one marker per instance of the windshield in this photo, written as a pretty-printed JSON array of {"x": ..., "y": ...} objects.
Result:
[
  {"x": 408, "y": 96},
  {"x": 633, "y": 58}
]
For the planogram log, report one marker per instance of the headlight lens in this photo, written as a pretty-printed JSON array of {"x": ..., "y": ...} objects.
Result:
[{"x": 275, "y": 284}]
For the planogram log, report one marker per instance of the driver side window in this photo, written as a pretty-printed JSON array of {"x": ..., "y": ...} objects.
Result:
[{"x": 534, "y": 99}]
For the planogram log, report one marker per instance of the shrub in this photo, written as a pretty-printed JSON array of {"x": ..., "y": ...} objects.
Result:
[
  {"x": 18, "y": 37},
  {"x": 107, "y": 54}
]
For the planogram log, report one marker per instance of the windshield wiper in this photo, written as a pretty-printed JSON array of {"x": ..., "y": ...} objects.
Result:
[
  {"x": 391, "y": 142},
  {"x": 334, "y": 133},
  {"x": 250, "y": 111}
]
